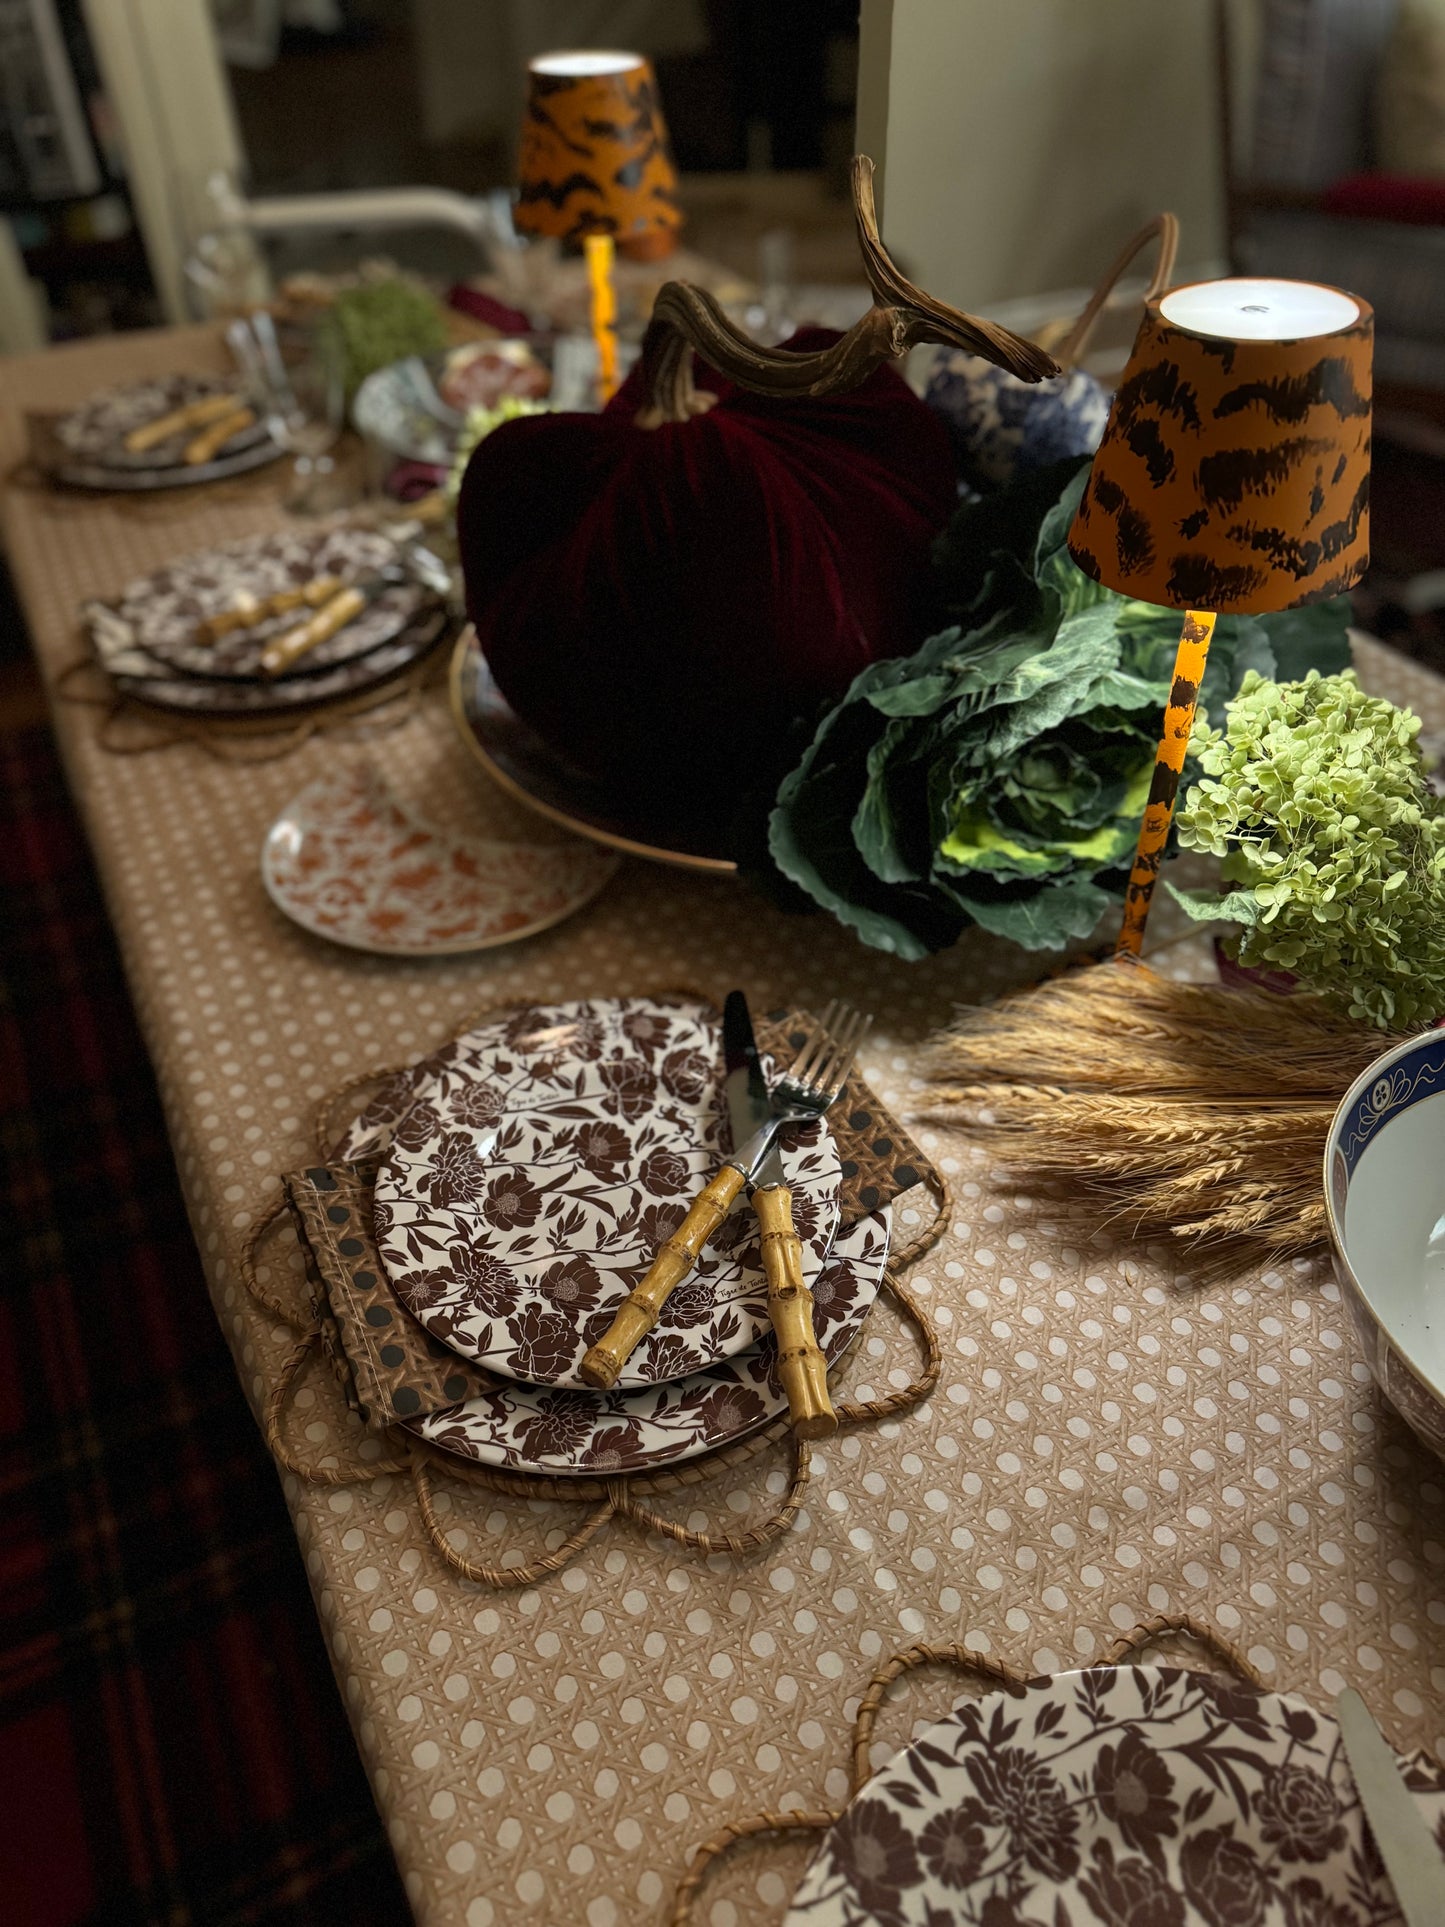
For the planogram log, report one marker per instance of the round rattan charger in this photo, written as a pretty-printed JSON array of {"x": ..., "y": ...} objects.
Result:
[{"x": 613, "y": 1498}]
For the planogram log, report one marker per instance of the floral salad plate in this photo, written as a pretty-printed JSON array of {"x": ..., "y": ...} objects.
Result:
[
  {"x": 89, "y": 442},
  {"x": 532, "y": 1428},
  {"x": 1117, "y": 1797},
  {"x": 347, "y": 862},
  {"x": 538, "y": 1169}
]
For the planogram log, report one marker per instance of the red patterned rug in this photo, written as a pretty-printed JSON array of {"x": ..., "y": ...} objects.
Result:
[{"x": 172, "y": 1746}]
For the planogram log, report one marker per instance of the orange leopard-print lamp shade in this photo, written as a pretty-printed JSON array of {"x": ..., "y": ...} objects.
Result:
[
  {"x": 594, "y": 154},
  {"x": 1234, "y": 474}
]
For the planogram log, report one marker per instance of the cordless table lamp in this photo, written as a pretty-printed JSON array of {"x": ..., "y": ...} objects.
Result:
[
  {"x": 594, "y": 155},
  {"x": 1233, "y": 478}
]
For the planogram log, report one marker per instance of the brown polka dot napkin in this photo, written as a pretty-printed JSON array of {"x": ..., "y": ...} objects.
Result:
[{"x": 395, "y": 1369}]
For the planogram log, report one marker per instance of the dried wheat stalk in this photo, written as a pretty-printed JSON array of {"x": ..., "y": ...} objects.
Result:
[{"x": 1171, "y": 1111}]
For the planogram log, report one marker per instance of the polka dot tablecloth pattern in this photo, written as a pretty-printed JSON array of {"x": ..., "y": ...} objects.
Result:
[{"x": 1107, "y": 1439}]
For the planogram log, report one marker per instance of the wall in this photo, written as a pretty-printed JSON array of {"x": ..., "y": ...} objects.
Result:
[{"x": 1024, "y": 140}]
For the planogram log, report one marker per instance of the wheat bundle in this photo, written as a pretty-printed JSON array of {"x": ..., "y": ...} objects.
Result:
[{"x": 1169, "y": 1110}]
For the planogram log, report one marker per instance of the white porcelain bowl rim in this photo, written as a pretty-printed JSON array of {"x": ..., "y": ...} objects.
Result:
[{"x": 1396, "y": 1054}]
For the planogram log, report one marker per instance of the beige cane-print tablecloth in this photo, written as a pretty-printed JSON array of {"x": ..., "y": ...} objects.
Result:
[{"x": 1107, "y": 1440}]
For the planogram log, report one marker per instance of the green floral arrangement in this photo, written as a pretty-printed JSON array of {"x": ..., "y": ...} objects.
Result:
[
  {"x": 479, "y": 423},
  {"x": 999, "y": 776},
  {"x": 376, "y": 323},
  {"x": 1317, "y": 798}
]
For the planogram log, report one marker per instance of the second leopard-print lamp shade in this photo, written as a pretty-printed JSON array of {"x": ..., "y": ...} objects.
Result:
[{"x": 1233, "y": 477}]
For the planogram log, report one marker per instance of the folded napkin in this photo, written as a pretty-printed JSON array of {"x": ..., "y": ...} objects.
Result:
[{"x": 389, "y": 1366}]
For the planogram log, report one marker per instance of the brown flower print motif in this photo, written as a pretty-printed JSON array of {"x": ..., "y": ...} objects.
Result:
[
  {"x": 558, "y": 1426},
  {"x": 614, "y": 1449},
  {"x": 1306, "y": 1904},
  {"x": 527, "y": 1032},
  {"x": 725, "y": 1411},
  {"x": 477, "y": 1105},
  {"x": 686, "y": 1075},
  {"x": 688, "y": 1304},
  {"x": 664, "y": 1173},
  {"x": 1023, "y": 1796},
  {"x": 630, "y": 1087},
  {"x": 875, "y": 1850},
  {"x": 602, "y": 1149},
  {"x": 832, "y": 1294},
  {"x": 953, "y": 1846},
  {"x": 668, "y": 1356},
  {"x": 1129, "y": 1893},
  {"x": 1299, "y": 1813},
  {"x": 417, "y": 1129},
  {"x": 485, "y": 1281},
  {"x": 510, "y": 1202},
  {"x": 382, "y": 1218},
  {"x": 572, "y": 1287},
  {"x": 452, "y": 1174},
  {"x": 543, "y": 1344},
  {"x": 655, "y": 1224},
  {"x": 1223, "y": 1878},
  {"x": 420, "y": 1290},
  {"x": 648, "y": 1029},
  {"x": 1133, "y": 1787}
]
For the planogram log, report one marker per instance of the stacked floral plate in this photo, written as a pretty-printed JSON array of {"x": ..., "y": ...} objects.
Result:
[
  {"x": 95, "y": 445},
  {"x": 152, "y": 640},
  {"x": 531, "y": 1170}
]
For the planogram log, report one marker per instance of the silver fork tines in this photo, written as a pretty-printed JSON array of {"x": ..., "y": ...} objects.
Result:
[{"x": 815, "y": 1080}]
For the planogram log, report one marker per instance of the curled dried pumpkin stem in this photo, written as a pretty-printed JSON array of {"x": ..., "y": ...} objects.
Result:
[{"x": 687, "y": 319}]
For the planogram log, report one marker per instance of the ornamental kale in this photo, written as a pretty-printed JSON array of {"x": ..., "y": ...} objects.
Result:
[
  {"x": 1316, "y": 796},
  {"x": 999, "y": 775}
]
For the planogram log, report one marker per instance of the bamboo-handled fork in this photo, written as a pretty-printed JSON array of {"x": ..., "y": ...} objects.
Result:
[{"x": 802, "y": 1095}]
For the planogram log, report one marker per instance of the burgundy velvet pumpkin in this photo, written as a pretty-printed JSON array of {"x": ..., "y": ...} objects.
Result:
[{"x": 659, "y": 603}]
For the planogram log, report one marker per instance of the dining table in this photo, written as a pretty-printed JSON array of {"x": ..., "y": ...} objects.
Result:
[{"x": 1109, "y": 1438}]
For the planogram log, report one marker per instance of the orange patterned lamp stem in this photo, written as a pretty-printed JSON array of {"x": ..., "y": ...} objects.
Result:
[
  {"x": 1234, "y": 473},
  {"x": 1189, "y": 665},
  {"x": 600, "y": 253}
]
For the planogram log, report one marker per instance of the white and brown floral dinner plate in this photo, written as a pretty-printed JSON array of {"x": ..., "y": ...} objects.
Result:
[
  {"x": 537, "y": 1171},
  {"x": 151, "y": 629},
  {"x": 532, "y": 1428},
  {"x": 89, "y": 442},
  {"x": 1119, "y": 1797}
]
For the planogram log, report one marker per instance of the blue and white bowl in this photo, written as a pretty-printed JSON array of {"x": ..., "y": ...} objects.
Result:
[
  {"x": 1385, "y": 1196},
  {"x": 1000, "y": 426}
]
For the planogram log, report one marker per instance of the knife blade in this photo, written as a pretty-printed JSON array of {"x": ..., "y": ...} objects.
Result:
[
  {"x": 1407, "y": 1847},
  {"x": 745, "y": 1085}
]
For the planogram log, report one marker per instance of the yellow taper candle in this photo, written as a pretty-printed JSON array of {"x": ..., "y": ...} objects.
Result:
[
  {"x": 1189, "y": 663},
  {"x": 600, "y": 255}
]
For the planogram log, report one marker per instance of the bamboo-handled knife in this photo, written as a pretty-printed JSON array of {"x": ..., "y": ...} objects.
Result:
[
  {"x": 1407, "y": 1847},
  {"x": 802, "y": 1368}
]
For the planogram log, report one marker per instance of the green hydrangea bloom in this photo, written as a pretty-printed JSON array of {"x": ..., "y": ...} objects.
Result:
[
  {"x": 1316, "y": 796},
  {"x": 479, "y": 423}
]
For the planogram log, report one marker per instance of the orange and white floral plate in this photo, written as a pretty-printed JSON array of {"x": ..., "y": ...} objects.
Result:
[{"x": 347, "y": 862}]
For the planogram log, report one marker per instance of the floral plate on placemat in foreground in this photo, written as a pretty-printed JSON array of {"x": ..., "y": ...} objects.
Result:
[
  {"x": 530, "y": 1428},
  {"x": 1140, "y": 1795},
  {"x": 346, "y": 861},
  {"x": 519, "y": 762},
  {"x": 532, "y": 1181}
]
